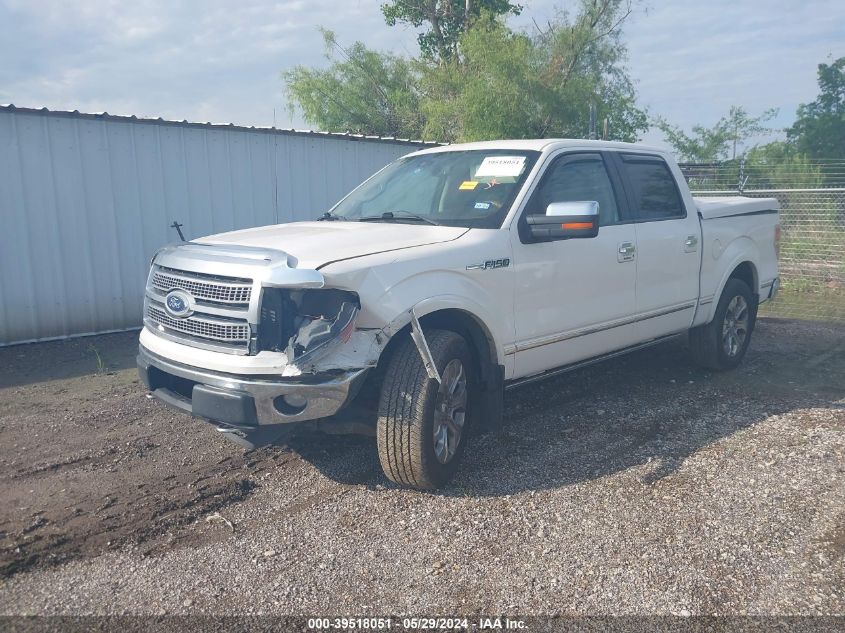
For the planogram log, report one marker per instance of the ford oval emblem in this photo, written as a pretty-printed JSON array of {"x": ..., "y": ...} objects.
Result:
[{"x": 179, "y": 304}]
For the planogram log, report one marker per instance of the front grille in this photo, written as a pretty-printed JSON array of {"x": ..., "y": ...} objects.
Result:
[
  {"x": 221, "y": 330},
  {"x": 203, "y": 287}
]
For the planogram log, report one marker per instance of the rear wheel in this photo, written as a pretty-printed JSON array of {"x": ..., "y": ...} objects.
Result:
[
  {"x": 722, "y": 343},
  {"x": 421, "y": 429}
]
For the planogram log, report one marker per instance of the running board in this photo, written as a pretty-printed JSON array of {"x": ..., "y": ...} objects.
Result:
[{"x": 521, "y": 382}]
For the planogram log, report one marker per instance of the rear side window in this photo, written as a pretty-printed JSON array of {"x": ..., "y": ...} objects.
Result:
[{"x": 655, "y": 193}]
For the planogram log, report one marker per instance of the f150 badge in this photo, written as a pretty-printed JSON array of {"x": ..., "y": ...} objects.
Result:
[{"x": 490, "y": 264}]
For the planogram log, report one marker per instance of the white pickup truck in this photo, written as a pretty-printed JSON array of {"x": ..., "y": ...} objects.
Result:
[{"x": 448, "y": 276}]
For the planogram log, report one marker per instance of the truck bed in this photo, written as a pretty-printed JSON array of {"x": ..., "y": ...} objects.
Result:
[{"x": 735, "y": 229}]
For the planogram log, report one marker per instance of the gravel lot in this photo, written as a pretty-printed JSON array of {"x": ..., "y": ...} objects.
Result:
[{"x": 641, "y": 485}]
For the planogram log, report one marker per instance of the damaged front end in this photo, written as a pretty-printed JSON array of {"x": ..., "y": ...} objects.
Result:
[
  {"x": 241, "y": 337},
  {"x": 306, "y": 324}
]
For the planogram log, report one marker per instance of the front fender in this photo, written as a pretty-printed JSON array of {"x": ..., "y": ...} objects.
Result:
[
  {"x": 432, "y": 278},
  {"x": 454, "y": 291}
]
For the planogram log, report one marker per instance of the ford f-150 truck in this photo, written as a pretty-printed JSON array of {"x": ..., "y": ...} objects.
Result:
[{"x": 450, "y": 275}]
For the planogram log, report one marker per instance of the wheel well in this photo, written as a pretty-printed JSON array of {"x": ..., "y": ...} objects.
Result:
[
  {"x": 481, "y": 345},
  {"x": 480, "y": 342},
  {"x": 747, "y": 273}
]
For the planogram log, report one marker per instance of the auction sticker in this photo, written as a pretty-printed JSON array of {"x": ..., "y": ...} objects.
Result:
[{"x": 500, "y": 166}]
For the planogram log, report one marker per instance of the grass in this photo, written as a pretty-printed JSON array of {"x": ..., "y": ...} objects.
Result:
[
  {"x": 101, "y": 366},
  {"x": 794, "y": 302}
]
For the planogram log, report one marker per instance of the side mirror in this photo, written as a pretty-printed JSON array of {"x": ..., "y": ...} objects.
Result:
[{"x": 565, "y": 220}]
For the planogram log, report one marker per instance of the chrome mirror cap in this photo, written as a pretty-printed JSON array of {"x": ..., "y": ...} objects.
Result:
[{"x": 585, "y": 208}]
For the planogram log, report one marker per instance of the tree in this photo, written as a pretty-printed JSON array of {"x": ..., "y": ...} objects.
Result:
[
  {"x": 517, "y": 85},
  {"x": 819, "y": 130},
  {"x": 504, "y": 84},
  {"x": 447, "y": 20},
  {"x": 718, "y": 142},
  {"x": 364, "y": 91}
]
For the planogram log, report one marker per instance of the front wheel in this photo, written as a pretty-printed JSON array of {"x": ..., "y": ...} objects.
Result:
[
  {"x": 421, "y": 429},
  {"x": 722, "y": 343}
]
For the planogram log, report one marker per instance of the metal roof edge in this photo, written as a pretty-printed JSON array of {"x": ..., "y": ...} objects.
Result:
[{"x": 105, "y": 116}]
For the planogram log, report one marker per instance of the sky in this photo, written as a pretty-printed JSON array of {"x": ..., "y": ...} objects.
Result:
[{"x": 221, "y": 61}]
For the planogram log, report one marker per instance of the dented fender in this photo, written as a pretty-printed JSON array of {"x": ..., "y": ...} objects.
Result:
[{"x": 365, "y": 346}]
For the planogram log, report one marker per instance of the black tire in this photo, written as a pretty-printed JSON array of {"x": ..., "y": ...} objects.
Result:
[
  {"x": 406, "y": 417},
  {"x": 707, "y": 342}
]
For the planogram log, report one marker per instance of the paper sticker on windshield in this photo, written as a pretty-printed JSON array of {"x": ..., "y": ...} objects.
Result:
[
  {"x": 500, "y": 166},
  {"x": 468, "y": 185},
  {"x": 482, "y": 205}
]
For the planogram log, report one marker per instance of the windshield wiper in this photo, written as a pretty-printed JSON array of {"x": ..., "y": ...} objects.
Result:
[
  {"x": 328, "y": 216},
  {"x": 391, "y": 216}
]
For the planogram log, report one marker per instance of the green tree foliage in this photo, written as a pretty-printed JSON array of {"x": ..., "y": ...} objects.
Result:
[
  {"x": 719, "y": 142},
  {"x": 779, "y": 165},
  {"x": 515, "y": 85},
  {"x": 503, "y": 84},
  {"x": 363, "y": 91},
  {"x": 446, "y": 21},
  {"x": 819, "y": 130}
]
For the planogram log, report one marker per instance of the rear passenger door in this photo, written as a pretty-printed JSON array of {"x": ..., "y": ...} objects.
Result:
[{"x": 668, "y": 246}]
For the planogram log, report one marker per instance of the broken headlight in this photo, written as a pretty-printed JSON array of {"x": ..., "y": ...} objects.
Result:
[{"x": 305, "y": 324}]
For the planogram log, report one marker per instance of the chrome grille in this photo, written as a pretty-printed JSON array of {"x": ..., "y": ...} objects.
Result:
[
  {"x": 203, "y": 287},
  {"x": 200, "y": 326}
]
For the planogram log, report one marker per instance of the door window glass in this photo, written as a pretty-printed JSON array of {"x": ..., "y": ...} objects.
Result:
[
  {"x": 654, "y": 190},
  {"x": 576, "y": 180}
]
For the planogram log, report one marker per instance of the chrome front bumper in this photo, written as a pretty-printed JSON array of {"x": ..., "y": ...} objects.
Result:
[{"x": 242, "y": 402}]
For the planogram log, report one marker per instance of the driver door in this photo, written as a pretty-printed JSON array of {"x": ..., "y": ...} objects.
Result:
[{"x": 574, "y": 297}]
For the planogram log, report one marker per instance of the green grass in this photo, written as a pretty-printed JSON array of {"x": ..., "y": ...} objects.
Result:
[
  {"x": 821, "y": 304},
  {"x": 813, "y": 246},
  {"x": 101, "y": 366}
]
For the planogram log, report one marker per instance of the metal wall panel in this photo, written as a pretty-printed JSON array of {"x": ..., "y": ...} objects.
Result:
[{"x": 86, "y": 200}]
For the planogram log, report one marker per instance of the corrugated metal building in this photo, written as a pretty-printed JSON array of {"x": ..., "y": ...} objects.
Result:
[{"x": 85, "y": 200}]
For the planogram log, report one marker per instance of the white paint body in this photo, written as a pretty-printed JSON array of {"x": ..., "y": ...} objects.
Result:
[{"x": 556, "y": 303}]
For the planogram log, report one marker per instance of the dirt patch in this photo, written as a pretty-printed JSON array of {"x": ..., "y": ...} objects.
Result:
[{"x": 90, "y": 464}]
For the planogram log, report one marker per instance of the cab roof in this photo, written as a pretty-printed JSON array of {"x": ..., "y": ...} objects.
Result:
[{"x": 543, "y": 144}]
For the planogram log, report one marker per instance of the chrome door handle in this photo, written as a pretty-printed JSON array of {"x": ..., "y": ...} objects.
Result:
[
  {"x": 627, "y": 252},
  {"x": 691, "y": 243}
]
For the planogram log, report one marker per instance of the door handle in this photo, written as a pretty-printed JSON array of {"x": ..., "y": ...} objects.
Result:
[
  {"x": 691, "y": 243},
  {"x": 626, "y": 253}
]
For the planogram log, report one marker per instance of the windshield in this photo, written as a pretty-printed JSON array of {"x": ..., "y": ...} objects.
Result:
[{"x": 461, "y": 188}]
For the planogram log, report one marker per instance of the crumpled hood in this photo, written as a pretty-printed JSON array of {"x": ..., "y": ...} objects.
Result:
[{"x": 314, "y": 244}]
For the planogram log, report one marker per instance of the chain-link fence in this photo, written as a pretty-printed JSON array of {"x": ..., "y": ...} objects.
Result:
[{"x": 812, "y": 218}]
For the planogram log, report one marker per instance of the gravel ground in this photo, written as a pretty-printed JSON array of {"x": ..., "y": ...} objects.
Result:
[{"x": 642, "y": 485}]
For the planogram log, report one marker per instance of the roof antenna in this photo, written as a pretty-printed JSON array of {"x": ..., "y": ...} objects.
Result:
[{"x": 178, "y": 228}]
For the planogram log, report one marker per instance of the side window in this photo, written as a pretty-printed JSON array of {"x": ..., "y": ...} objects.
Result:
[
  {"x": 575, "y": 179},
  {"x": 655, "y": 193}
]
